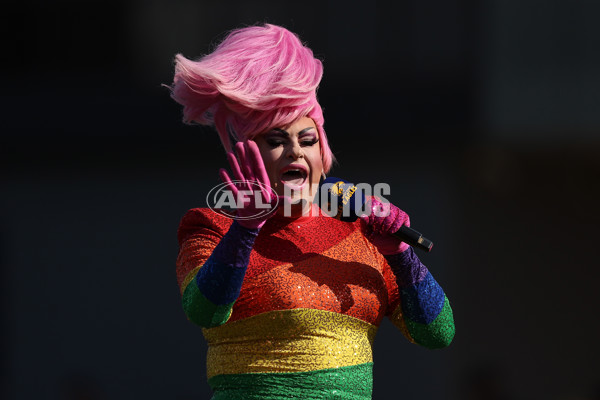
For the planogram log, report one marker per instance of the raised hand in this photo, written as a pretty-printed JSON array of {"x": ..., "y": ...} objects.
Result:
[
  {"x": 380, "y": 222},
  {"x": 251, "y": 185}
]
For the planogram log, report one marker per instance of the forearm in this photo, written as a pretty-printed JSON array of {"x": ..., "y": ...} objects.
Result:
[
  {"x": 424, "y": 309},
  {"x": 210, "y": 295}
]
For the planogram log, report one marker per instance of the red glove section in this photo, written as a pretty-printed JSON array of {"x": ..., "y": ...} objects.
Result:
[{"x": 383, "y": 220}]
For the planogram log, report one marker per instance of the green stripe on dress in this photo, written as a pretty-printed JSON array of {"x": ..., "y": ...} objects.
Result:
[{"x": 347, "y": 383}]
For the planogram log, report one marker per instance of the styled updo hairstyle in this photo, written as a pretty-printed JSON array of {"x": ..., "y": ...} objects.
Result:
[{"x": 258, "y": 78}]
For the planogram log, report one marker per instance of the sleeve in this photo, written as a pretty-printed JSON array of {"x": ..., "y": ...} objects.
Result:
[
  {"x": 211, "y": 267},
  {"x": 420, "y": 308}
]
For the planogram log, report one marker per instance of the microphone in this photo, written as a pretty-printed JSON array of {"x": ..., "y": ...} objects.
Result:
[{"x": 342, "y": 193}]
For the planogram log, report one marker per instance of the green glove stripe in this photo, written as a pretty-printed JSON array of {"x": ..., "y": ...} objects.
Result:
[
  {"x": 437, "y": 334},
  {"x": 202, "y": 311}
]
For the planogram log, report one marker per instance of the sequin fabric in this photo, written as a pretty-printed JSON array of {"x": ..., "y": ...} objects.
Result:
[
  {"x": 221, "y": 276},
  {"x": 425, "y": 316},
  {"x": 344, "y": 383},
  {"x": 346, "y": 278},
  {"x": 407, "y": 267},
  {"x": 295, "y": 340},
  {"x": 435, "y": 335},
  {"x": 314, "y": 292}
]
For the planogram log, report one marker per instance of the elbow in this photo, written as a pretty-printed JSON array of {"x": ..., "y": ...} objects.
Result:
[
  {"x": 203, "y": 312},
  {"x": 437, "y": 338},
  {"x": 437, "y": 334},
  {"x": 441, "y": 338},
  {"x": 206, "y": 314}
]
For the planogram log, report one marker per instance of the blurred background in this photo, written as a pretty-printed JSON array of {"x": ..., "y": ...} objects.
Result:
[{"x": 482, "y": 116}]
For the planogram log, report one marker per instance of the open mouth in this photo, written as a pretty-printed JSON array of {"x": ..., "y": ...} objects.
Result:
[{"x": 294, "y": 175}]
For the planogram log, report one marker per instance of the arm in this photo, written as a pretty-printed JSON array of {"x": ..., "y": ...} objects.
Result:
[
  {"x": 211, "y": 289},
  {"x": 219, "y": 262},
  {"x": 423, "y": 314}
]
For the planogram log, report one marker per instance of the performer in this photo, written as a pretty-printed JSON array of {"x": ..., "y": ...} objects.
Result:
[{"x": 289, "y": 305}]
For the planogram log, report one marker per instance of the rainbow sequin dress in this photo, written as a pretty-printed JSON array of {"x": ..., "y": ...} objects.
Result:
[{"x": 291, "y": 311}]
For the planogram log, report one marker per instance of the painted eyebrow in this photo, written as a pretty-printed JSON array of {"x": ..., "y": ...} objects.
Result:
[{"x": 286, "y": 133}]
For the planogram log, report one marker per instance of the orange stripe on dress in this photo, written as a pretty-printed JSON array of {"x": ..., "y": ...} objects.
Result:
[
  {"x": 346, "y": 278},
  {"x": 282, "y": 240}
]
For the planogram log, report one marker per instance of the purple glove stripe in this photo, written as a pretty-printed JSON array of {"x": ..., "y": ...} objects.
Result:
[{"x": 407, "y": 268}]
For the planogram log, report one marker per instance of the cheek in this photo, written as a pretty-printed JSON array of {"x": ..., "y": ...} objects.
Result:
[
  {"x": 316, "y": 168},
  {"x": 270, "y": 161}
]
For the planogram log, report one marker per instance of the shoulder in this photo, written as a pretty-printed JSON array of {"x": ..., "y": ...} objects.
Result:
[{"x": 202, "y": 220}]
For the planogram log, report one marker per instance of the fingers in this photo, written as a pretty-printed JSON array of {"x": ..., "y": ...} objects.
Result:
[
  {"x": 241, "y": 166},
  {"x": 406, "y": 219},
  {"x": 257, "y": 162},
  {"x": 385, "y": 218},
  {"x": 251, "y": 165},
  {"x": 390, "y": 221},
  {"x": 227, "y": 180},
  {"x": 241, "y": 152},
  {"x": 235, "y": 167},
  {"x": 248, "y": 167},
  {"x": 259, "y": 170},
  {"x": 395, "y": 221}
]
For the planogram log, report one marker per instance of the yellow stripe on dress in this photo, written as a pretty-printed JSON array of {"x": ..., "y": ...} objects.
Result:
[{"x": 298, "y": 340}]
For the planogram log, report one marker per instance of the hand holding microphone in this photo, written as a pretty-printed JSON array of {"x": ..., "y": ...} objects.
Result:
[
  {"x": 381, "y": 222},
  {"x": 387, "y": 226}
]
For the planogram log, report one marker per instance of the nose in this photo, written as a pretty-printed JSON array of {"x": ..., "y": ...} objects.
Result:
[{"x": 295, "y": 150}]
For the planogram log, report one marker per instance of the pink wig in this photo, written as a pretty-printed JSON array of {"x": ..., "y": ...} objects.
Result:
[{"x": 258, "y": 78}]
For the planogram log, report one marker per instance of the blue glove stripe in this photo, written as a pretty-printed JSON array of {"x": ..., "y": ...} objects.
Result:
[
  {"x": 220, "y": 283},
  {"x": 220, "y": 278},
  {"x": 423, "y": 301}
]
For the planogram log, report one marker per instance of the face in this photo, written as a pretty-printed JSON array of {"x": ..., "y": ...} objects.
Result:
[{"x": 292, "y": 157}]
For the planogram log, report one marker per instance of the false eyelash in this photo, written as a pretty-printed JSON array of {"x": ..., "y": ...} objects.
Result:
[
  {"x": 275, "y": 143},
  {"x": 309, "y": 142}
]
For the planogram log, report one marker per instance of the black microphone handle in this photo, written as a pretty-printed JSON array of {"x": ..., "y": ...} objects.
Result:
[{"x": 413, "y": 238}]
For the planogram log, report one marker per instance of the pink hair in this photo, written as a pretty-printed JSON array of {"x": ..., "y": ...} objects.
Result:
[{"x": 258, "y": 78}]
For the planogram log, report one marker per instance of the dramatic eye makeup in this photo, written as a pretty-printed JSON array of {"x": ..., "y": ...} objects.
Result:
[
  {"x": 275, "y": 140},
  {"x": 308, "y": 140},
  {"x": 278, "y": 137},
  {"x": 308, "y": 137}
]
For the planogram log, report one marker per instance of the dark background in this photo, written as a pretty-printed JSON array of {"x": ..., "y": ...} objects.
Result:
[{"x": 482, "y": 116}]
